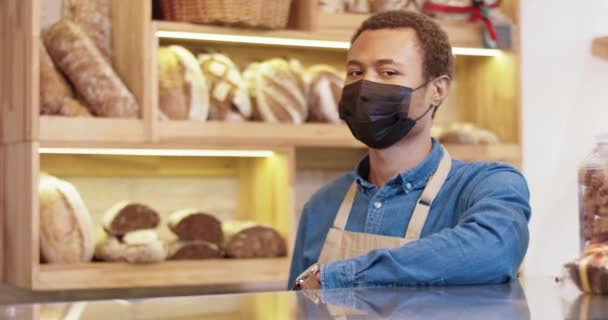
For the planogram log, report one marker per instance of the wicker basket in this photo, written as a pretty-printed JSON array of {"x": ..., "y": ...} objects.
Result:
[{"x": 272, "y": 14}]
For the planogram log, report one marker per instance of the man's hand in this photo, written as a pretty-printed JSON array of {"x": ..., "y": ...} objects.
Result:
[{"x": 313, "y": 282}]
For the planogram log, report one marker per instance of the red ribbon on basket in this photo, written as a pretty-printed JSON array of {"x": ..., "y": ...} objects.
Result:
[{"x": 478, "y": 11}]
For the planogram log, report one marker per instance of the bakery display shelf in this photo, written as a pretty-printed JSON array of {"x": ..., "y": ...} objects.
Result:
[
  {"x": 600, "y": 47},
  {"x": 332, "y": 31},
  {"x": 89, "y": 129},
  {"x": 246, "y": 274}
]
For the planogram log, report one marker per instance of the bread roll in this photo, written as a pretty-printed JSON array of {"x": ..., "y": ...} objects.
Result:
[
  {"x": 182, "y": 88},
  {"x": 194, "y": 250},
  {"x": 277, "y": 92},
  {"x": 56, "y": 96},
  {"x": 95, "y": 19},
  {"x": 190, "y": 224},
  {"x": 92, "y": 76},
  {"x": 141, "y": 246},
  {"x": 229, "y": 98},
  {"x": 66, "y": 227},
  {"x": 325, "y": 92},
  {"x": 125, "y": 217},
  {"x": 247, "y": 240}
]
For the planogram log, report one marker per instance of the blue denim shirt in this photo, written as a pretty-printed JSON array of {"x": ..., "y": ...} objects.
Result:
[{"x": 476, "y": 231}]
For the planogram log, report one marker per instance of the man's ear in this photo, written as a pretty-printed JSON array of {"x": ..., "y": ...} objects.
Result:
[{"x": 441, "y": 89}]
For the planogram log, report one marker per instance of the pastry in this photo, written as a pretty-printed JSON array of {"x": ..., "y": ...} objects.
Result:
[
  {"x": 248, "y": 240},
  {"x": 190, "y": 224},
  {"x": 465, "y": 133},
  {"x": 325, "y": 91},
  {"x": 125, "y": 217},
  {"x": 92, "y": 76},
  {"x": 66, "y": 227},
  {"x": 138, "y": 247},
  {"x": 277, "y": 92},
  {"x": 95, "y": 19},
  {"x": 182, "y": 88},
  {"x": 194, "y": 250},
  {"x": 590, "y": 272},
  {"x": 229, "y": 98}
]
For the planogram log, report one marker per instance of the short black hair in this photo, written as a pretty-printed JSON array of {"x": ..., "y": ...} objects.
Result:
[{"x": 436, "y": 49}]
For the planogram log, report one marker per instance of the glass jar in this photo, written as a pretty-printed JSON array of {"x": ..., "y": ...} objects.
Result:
[{"x": 593, "y": 195}]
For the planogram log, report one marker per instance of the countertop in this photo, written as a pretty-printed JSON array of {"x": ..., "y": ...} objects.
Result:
[{"x": 532, "y": 298}]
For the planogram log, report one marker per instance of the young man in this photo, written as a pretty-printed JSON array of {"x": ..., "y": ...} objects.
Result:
[{"x": 408, "y": 214}]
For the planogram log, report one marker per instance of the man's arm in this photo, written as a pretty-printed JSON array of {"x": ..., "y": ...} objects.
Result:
[{"x": 486, "y": 246}]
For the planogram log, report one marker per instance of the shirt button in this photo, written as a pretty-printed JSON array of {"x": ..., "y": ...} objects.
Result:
[
  {"x": 378, "y": 204},
  {"x": 408, "y": 185}
]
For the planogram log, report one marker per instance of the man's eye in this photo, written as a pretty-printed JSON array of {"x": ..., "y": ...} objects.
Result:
[
  {"x": 354, "y": 73},
  {"x": 389, "y": 73}
]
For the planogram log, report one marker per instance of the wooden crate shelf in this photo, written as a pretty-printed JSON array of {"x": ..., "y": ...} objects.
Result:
[
  {"x": 251, "y": 273},
  {"x": 94, "y": 130},
  {"x": 330, "y": 27}
]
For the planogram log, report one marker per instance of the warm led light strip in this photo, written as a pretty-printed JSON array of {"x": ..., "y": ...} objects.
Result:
[
  {"x": 296, "y": 42},
  {"x": 159, "y": 152}
]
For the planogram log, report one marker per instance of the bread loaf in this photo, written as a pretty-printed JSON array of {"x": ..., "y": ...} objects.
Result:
[
  {"x": 194, "y": 250},
  {"x": 277, "y": 92},
  {"x": 95, "y": 19},
  {"x": 141, "y": 246},
  {"x": 467, "y": 134},
  {"x": 248, "y": 240},
  {"x": 92, "y": 76},
  {"x": 190, "y": 224},
  {"x": 325, "y": 92},
  {"x": 66, "y": 227},
  {"x": 182, "y": 88},
  {"x": 358, "y": 6},
  {"x": 229, "y": 97},
  {"x": 332, "y": 6},
  {"x": 125, "y": 217},
  {"x": 56, "y": 96}
]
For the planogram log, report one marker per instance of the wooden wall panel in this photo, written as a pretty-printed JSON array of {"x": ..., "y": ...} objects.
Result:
[
  {"x": 19, "y": 70},
  {"x": 131, "y": 23},
  {"x": 2, "y": 209},
  {"x": 488, "y": 94},
  {"x": 21, "y": 223}
]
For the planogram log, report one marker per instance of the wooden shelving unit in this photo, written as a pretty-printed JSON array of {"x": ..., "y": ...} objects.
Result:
[
  {"x": 266, "y": 186},
  {"x": 249, "y": 274},
  {"x": 600, "y": 47}
]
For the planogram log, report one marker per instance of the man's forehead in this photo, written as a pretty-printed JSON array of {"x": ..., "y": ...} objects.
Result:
[{"x": 385, "y": 44}]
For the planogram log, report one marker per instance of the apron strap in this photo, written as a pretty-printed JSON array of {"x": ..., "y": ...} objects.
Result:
[
  {"x": 345, "y": 207},
  {"x": 421, "y": 211}
]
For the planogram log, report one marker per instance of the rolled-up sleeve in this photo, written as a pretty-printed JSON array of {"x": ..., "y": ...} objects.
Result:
[{"x": 486, "y": 246}]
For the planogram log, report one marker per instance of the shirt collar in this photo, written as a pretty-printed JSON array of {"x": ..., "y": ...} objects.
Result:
[{"x": 414, "y": 178}]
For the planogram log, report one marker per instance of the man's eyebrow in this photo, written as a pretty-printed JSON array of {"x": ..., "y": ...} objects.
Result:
[
  {"x": 354, "y": 62},
  {"x": 387, "y": 61}
]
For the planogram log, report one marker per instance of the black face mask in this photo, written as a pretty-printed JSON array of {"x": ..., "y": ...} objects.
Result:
[{"x": 377, "y": 113}]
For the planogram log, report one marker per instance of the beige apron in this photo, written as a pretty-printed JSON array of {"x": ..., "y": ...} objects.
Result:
[{"x": 341, "y": 244}]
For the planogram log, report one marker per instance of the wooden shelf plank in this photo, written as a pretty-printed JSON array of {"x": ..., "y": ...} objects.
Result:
[
  {"x": 256, "y": 134},
  {"x": 330, "y": 27},
  {"x": 246, "y": 274},
  {"x": 68, "y": 129},
  {"x": 600, "y": 48}
]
